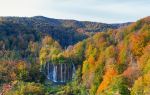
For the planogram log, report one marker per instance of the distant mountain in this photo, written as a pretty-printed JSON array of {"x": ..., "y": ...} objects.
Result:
[
  {"x": 86, "y": 25},
  {"x": 66, "y": 32}
]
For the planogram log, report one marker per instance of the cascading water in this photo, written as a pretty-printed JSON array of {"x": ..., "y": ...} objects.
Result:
[
  {"x": 60, "y": 73},
  {"x": 74, "y": 69},
  {"x": 54, "y": 73}
]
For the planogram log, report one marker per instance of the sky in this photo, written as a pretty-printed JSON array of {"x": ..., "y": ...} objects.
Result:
[{"x": 107, "y": 11}]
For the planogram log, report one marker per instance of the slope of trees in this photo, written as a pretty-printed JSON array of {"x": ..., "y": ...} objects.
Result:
[
  {"x": 20, "y": 30},
  {"x": 121, "y": 55},
  {"x": 124, "y": 54},
  {"x": 114, "y": 62}
]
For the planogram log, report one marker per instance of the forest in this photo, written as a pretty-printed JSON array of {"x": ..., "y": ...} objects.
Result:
[{"x": 108, "y": 59}]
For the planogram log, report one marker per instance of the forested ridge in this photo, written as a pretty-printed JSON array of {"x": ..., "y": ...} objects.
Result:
[
  {"x": 35, "y": 28},
  {"x": 112, "y": 62}
]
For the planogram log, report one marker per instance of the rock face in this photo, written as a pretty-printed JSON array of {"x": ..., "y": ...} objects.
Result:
[{"x": 60, "y": 73}]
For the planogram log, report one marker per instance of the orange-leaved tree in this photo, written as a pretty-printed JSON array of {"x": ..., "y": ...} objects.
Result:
[{"x": 107, "y": 78}]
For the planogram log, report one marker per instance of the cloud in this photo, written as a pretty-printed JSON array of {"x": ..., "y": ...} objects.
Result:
[{"x": 94, "y": 10}]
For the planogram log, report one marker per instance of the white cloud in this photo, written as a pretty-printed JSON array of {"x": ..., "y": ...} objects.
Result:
[
  {"x": 18, "y": 7},
  {"x": 93, "y": 10}
]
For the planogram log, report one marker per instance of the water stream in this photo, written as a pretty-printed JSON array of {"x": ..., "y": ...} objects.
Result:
[{"x": 60, "y": 73}]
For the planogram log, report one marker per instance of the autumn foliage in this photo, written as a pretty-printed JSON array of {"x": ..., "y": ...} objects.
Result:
[
  {"x": 114, "y": 62},
  {"x": 107, "y": 78}
]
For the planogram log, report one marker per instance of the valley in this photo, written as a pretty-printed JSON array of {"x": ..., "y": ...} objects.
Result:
[{"x": 45, "y": 56}]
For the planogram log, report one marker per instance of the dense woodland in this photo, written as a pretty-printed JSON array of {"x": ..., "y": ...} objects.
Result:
[
  {"x": 112, "y": 62},
  {"x": 66, "y": 32}
]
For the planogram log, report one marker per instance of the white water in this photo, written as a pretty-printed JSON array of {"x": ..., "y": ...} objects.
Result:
[
  {"x": 54, "y": 73},
  {"x": 60, "y": 72},
  {"x": 61, "y": 77},
  {"x": 48, "y": 76},
  {"x": 74, "y": 70}
]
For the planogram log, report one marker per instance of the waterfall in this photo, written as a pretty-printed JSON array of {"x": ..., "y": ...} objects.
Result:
[
  {"x": 61, "y": 77},
  {"x": 60, "y": 73},
  {"x": 54, "y": 73},
  {"x": 48, "y": 76},
  {"x": 65, "y": 70},
  {"x": 74, "y": 70}
]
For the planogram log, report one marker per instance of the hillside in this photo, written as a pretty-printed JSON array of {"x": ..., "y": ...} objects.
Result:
[
  {"x": 109, "y": 63},
  {"x": 112, "y": 62},
  {"x": 116, "y": 61},
  {"x": 66, "y": 32}
]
